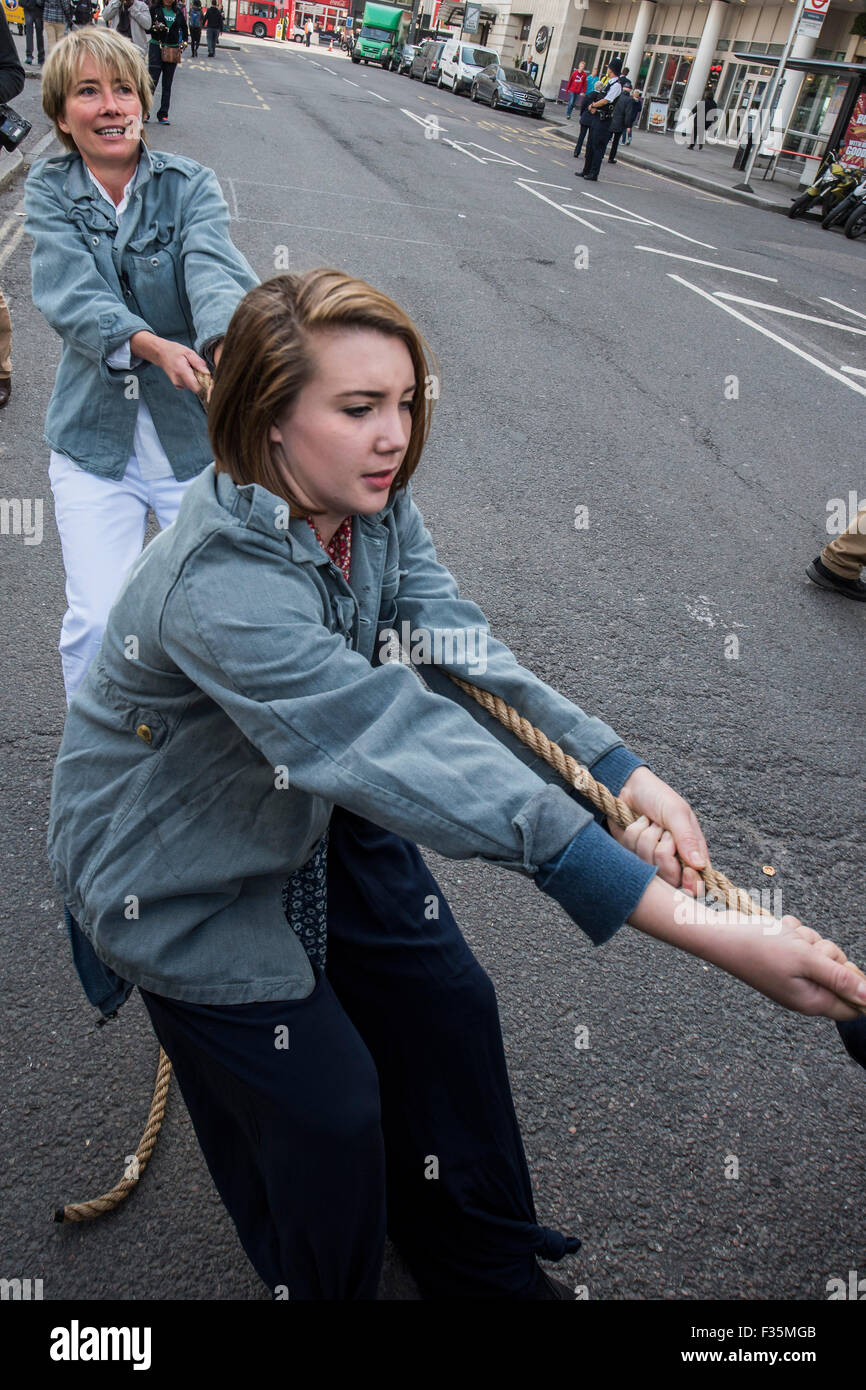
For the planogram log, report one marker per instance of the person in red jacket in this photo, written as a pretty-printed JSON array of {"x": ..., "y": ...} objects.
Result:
[{"x": 576, "y": 87}]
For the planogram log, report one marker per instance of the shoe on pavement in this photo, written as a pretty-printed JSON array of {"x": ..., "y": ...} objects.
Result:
[
  {"x": 5, "y": 391},
  {"x": 826, "y": 579},
  {"x": 611, "y": 161},
  {"x": 163, "y": 120},
  {"x": 591, "y": 178}
]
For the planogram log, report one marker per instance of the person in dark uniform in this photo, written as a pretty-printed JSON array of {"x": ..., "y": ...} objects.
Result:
[{"x": 600, "y": 108}]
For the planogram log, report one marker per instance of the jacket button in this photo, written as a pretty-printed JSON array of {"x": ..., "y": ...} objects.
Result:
[
  {"x": 95, "y": 241},
  {"x": 154, "y": 260},
  {"x": 144, "y": 732}
]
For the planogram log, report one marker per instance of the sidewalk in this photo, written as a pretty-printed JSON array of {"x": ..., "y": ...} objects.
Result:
[{"x": 710, "y": 169}]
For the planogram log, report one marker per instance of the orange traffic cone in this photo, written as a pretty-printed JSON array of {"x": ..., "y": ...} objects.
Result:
[{"x": 331, "y": 46}]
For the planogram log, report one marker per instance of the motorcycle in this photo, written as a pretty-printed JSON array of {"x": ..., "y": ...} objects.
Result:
[
  {"x": 856, "y": 224},
  {"x": 832, "y": 183},
  {"x": 841, "y": 211}
]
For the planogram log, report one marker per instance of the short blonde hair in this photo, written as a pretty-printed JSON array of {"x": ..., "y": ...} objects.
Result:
[
  {"x": 267, "y": 358},
  {"x": 111, "y": 52}
]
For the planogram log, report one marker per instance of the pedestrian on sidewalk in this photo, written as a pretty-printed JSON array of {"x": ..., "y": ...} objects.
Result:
[
  {"x": 168, "y": 37},
  {"x": 335, "y": 1040},
  {"x": 196, "y": 20},
  {"x": 131, "y": 18},
  {"x": 308, "y": 31},
  {"x": 633, "y": 116},
  {"x": 12, "y": 81},
  {"x": 839, "y": 565},
  {"x": 620, "y": 113},
  {"x": 33, "y": 27},
  {"x": 585, "y": 120},
  {"x": 699, "y": 119},
  {"x": 213, "y": 23},
  {"x": 601, "y": 108},
  {"x": 576, "y": 88},
  {"x": 134, "y": 268},
  {"x": 56, "y": 19}
]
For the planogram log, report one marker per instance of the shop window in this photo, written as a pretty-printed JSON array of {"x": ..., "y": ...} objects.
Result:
[
  {"x": 652, "y": 38},
  {"x": 590, "y": 33},
  {"x": 665, "y": 38},
  {"x": 775, "y": 48},
  {"x": 723, "y": 45}
]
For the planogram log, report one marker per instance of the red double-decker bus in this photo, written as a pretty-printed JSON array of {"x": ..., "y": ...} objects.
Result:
[{"x": 260, "y": 17}]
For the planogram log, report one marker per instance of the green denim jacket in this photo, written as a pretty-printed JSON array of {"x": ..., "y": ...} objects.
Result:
[
  {"x": 240, "y": 693},
  {"x": 170, "y": 267}
]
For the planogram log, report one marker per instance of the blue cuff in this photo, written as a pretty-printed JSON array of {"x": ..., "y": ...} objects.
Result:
[
  {"x": 613, "y": 769},
  {"x": 597, "y": 881}
]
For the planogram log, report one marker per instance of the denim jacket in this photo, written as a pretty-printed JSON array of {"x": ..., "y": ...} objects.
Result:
[
  {"x": 169, "y": 267},
  {"x": 241, "y": 691}
]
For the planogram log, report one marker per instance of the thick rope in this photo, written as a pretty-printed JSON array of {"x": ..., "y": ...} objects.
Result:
[
  {"x": 86, "y": 1211},
  {"x": 569, "y": 769}
]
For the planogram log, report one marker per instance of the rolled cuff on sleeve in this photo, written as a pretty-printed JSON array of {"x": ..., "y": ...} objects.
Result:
[
  {"x": 597, "y": 881},
  {"x": 613, "y": 770}
]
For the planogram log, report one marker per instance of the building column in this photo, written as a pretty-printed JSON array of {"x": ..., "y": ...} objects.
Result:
[
  {"x": 792, "y": 81},
  {"x": 561, "y": 50},
  {"x": 638, "y": 39},
  {"x": 696, "y": 85}
]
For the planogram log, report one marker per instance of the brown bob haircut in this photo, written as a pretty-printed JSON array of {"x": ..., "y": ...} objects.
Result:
[
  {"x": 267, "y": 359},
  {"x": 110, "y": 53}
]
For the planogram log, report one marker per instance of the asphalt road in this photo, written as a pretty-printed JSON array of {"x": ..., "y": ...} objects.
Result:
[{"x": 705, "y": 437}]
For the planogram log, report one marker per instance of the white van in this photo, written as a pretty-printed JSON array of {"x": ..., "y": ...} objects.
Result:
[{"x": 461, "y": 61}]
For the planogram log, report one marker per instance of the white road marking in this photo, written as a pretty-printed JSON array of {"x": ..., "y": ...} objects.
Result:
[
  {"x": 522, "y": 183},
  {"x": 41, "y": 144},
  {"x": 647, "y": 221},
  {"x": 12, "y": 243},
  {"x": 846, "y": 307},
  {"x": 790, "y": 313},
  {"x": 376, "y": 94},
  {"x": 499, "y": 158},
  {"x": 333, "y": 71},
  {"x": 774, "y": 337},
  {"x": 244, "y": 105},
  {"x": 428, "y": 122},
  {"x": 350, "y": 82},
  {"x": 856, "y": 371},
  {"x": 461, "y": 150},
  {"x": 674, "y": 255},
  {"x": 597, "y": 212}
]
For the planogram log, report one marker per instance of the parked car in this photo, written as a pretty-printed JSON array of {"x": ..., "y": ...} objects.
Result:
[
  {"x": 508, "y": 87},
  {"x": 425, "y": 64},
  {"x": 403, "y": 58},
  {"x": 297, "y": 32},
  {"x": 461, "y": 62}
]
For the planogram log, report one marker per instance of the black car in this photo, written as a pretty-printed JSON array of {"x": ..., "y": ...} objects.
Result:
[
  {"x": 403, "y": 58},
  {"x": 425, "y": 64},
  {"x": 508, "y": 87}
]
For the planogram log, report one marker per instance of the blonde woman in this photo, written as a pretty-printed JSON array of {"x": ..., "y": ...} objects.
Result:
[{"x": 134, "y": 268}]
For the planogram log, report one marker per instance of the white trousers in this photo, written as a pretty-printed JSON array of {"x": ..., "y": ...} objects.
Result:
[{"x": 101, "y": 523}]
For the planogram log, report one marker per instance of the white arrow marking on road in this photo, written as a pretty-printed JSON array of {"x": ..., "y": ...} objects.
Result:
[
  {"x": 376, "y": 94},
  {"x": 694, "y": 261},
  {"x": 857, "y": 371},
  {"x": 836, "y": 305},
  {"x": 790, "y": 313},
  {"x": 522, "y": 183},
  {"x": 647, "y": 221},
  {"x": 499, "y": 158},
  {"x": 774, "y": 337},
  {"x": 461, "y": 150},
  {"x": 426, "y": 121},
  {"x": 597, "y": 212}
]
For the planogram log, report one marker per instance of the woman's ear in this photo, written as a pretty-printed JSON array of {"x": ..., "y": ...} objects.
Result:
[
  {"x": 275, "y": 435},
  {"x": 62, "y": 122}
]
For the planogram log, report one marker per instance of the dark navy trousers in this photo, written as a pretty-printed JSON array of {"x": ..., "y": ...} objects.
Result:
[{"x": 381, "y": 1101}]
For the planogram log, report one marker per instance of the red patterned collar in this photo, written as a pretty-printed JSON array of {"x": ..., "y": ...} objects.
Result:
[{"x": 339, "y": 548}]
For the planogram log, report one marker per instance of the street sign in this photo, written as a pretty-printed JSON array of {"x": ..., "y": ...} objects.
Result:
[
  {"x": 472, "y": 18},
  {"x": 812, "y": 18}
]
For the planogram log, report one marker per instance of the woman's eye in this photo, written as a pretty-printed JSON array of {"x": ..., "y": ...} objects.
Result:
[
  {"x": 357, "y": 411},
  {"x": 407, "y": 405}
]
